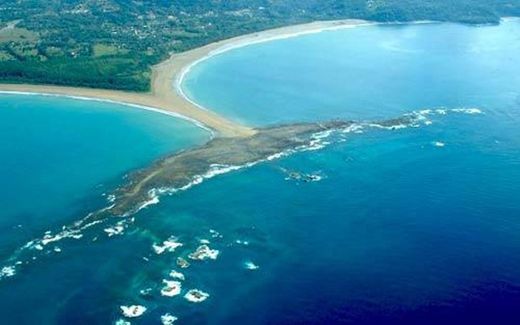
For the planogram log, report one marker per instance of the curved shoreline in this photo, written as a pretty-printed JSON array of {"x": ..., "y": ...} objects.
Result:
[
  {"x": 166, "y": 95},
  {"x": 104, "y": 100},
  {"x": 274, "y": 35},
  {"x": 224, "y": 46}
]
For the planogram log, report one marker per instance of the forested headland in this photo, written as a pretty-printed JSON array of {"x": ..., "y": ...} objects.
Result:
[{"x": 113, "y": 43}]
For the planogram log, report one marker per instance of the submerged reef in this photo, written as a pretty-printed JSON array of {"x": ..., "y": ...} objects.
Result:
[
  {"x": 182, "y": 170},
  {"x": 186, "y": 168}
]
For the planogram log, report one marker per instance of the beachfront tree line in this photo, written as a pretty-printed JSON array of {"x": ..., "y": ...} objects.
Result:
[{"x": 113, "y": 43}]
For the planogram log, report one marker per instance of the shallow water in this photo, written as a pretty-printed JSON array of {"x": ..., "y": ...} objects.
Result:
[
  {"x": 60, "y": 155},
  {"x": 415, "y": 225},
  {"x": 362, "y": 73}
]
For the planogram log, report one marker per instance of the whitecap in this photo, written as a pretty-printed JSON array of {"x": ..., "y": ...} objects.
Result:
[
  {"x": 145, "y": 292},
  {"x": 133, "y": 310},
  {"x": 177, "y": 275},
  {"x": 167, "y": 246},
  {"x": 115, "y": 230},
  {"x": 196, "y": 296},
  {"x": 7, "y": 272},
  {"x": 390, "y": 127},
  {"x": 204, "y": 252},
  {"x": 214, "y": 233},
  {"x": 154, "y": 199},
  {"x": 171, "y": 288},
  {"x": 467, "y": 110},
  {"x": 168, "y": 319},
  {"x": 251, "y": 266}
]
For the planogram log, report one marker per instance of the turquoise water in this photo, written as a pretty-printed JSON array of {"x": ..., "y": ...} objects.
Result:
[
  {"x": 60, "y": 155},
  {"x": 408, "y": 226},
  {"x": 362, "y": 73}
]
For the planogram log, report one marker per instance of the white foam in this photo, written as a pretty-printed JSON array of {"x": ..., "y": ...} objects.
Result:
[
  {"x": 278, "y": 155},
  {"x": 115, "y": 230},
  {"x": 203, "y": 252},
  {"x": 196, "y": 296},
  {"x": 171, "y": 288},
  {"x": 439, "y": 144},
  {"x": 214, "y": 170},
  {"x": 242, "y": 242},
  {"x": 204, "y": 241},
  {"x": 314, "y": 178},
  {"x": 251, "y": 266},
  {"x": 389, "y": 127},
  {"x": 122, "y": 322},
  {"x": 168, "y": 319},
  {"x": 7, "y": 272},
  {"x": 356, "y": 128},
  {"x": 133, "y": 310},
  {"x": 111, "y": 198},
  {"x": 154, "y": 199},
  {"x": 218, "y": 169},
  {"x": 177, "y": 275},
  {"x": 167, "y": 246},
  {"x": 65, "y": 233},
  {"x": 145, "y": 292},
  {"x": 214, "y": 233},
  {"x": 467, "y": 110}
]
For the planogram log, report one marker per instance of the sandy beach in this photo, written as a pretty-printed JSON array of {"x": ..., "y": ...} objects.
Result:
[{"x": 166, "y": 95}]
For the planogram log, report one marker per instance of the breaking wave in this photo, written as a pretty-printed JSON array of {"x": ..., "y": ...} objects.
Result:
[{"x": 114, "y": 226}]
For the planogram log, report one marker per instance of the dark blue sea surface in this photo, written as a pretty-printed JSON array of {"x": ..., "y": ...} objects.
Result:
[{"x": 417, "y": 225}]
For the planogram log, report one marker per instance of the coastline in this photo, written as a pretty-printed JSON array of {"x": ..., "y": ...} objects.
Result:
[
  {"x": 105, "y": 100},
  {"x": 166, "y": 95}
]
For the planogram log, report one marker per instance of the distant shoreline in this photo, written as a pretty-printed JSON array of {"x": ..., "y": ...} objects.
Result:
[{"x": 166, "y": 93}]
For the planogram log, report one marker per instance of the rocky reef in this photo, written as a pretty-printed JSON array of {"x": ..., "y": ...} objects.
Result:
[{"x": 185, "y": 168}]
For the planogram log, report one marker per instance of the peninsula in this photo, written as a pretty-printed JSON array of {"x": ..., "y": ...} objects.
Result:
[{"x": 165, "y": 94}]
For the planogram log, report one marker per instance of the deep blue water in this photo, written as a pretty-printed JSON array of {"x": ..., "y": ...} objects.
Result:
[{"x": 399, "y": 230}]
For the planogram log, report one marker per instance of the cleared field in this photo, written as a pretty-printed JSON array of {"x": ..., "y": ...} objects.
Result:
[{"x": 15, "y": 34}]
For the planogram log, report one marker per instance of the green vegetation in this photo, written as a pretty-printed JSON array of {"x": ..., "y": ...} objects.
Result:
[
  {"x": 100, "y": 50},
  {"x": 14, "y": 34},
  {"x": 113, "y": 43}
]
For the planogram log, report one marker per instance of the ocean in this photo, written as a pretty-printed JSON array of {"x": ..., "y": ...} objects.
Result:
[{"x": 410, "y": 225}]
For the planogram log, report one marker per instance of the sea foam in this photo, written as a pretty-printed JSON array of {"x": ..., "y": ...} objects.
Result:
[
  {"x": 196, "y": 296},
  {"x": 168, "y": 319},
  {"x": 133, "y": 310},
  {"x": 168, "y": 245},
  {"x": 171, "y": 288}
]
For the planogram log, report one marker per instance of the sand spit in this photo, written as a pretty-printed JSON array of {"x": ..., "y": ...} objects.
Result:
[{"x": 166, "y": 95}]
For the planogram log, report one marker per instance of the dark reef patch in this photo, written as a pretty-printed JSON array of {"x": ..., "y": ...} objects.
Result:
[{"x": 181, "y": 169}]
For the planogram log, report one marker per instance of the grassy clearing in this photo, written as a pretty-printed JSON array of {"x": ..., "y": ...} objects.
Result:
[
  {"x": 14, "y": 34},
  {"x": 100, "y": 50}
]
